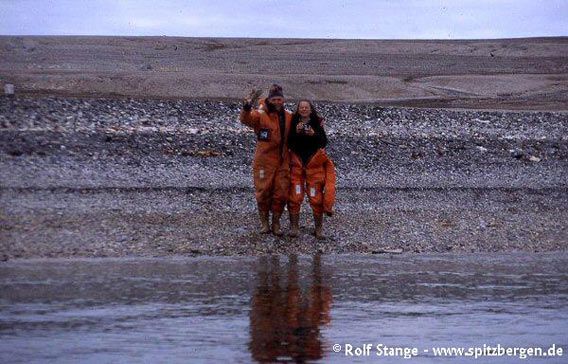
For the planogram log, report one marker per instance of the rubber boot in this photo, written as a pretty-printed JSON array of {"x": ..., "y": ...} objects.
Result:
[
  {"x": 264, "y": 227},
  {"x": 294, "y": 225},
  {"x": 318, "y": 224},
  {"x": 276, "y": 224}
]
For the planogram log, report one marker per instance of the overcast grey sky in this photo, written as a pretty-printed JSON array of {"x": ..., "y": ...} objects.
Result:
[{"x": 379, "y": 19}]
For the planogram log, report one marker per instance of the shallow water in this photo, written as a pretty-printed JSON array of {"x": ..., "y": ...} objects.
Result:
[{"x": 278, "y": 308}]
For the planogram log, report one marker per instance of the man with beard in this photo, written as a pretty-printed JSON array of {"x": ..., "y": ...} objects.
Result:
[{"x": 271, "y": 168}]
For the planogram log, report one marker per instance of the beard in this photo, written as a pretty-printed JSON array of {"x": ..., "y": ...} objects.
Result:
[{"x": 272, "y": 107}]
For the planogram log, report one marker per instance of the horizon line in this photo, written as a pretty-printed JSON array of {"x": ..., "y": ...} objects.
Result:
[{"x": 280, "y": 38}]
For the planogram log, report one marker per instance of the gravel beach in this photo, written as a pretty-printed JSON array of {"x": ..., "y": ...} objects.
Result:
[
  {"x": 131, "y": 146},
  {"x": 148, "y": 177}
]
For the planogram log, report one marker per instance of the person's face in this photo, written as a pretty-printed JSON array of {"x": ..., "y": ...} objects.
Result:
[
  {"x": 304, "y": 109},
  {"x": 277, "y": 102}
]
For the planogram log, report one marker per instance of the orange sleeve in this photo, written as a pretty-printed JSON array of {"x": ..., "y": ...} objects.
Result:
[
  {"x": 329, "y": 188},
  {"x": 250, "y": 118}
]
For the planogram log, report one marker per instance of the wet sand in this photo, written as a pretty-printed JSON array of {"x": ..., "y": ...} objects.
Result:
[{"x": 523, "y": 74}]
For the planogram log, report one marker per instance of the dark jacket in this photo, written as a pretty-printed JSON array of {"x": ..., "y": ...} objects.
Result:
[{"x": 305, "y": 146}]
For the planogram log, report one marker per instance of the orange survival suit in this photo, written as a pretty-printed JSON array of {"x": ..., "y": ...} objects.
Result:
[
  {"x": 316, "y": 179},
  {"x": 271, "y": 165}
]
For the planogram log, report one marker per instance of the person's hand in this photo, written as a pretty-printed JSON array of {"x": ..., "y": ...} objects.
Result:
[
  {"x": 247, "y": 104},
  {"x": 304, "y": 128},
  {"x": 251, "y": 99},
  {"x": 254, "y": 95}
]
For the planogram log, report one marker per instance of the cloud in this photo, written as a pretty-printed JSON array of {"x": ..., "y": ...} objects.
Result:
[{"x": 382, "y": 19}]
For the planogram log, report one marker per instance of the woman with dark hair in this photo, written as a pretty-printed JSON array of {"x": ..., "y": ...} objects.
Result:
[{"x": 311, "y": 170}]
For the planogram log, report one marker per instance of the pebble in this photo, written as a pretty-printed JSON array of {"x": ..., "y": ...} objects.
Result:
[{"x": 176, "y": 174}]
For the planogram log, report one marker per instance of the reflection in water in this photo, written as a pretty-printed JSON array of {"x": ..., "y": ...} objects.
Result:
[
  {"x": 285, "y": 321},
  {"x": 243, "y": 309}
]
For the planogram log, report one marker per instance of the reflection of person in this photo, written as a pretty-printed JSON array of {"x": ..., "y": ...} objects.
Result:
[
  {"x": 311, "y": 171},
  {"x": 285, "y": 322},
  {"x": 271, "y": 168}
]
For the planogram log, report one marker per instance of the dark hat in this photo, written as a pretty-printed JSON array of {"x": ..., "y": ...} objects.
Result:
[{"x": 275, "y": 91}]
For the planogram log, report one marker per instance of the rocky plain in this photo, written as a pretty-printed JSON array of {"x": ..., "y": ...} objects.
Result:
[{"x": 132, "y": 146}]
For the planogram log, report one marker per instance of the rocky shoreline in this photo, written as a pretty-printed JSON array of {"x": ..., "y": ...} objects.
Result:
[{"x": 121, "y": 177}]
